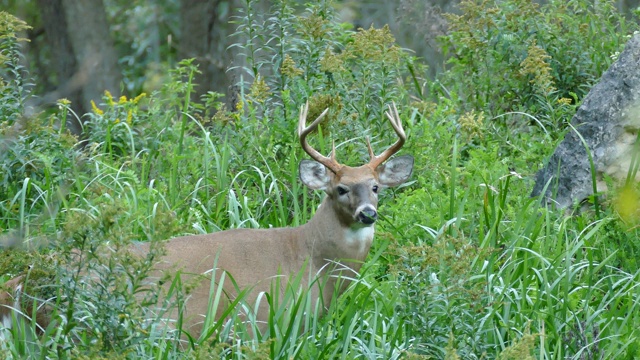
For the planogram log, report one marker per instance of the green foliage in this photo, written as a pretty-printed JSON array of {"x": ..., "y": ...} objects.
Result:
[
  {"x": 311, "y": 57},
  {"x": 465, "y": 265},
  {"x": 443, "y": 297},
  {"x": 36, "y": 154},
  {"x": 142, "y": 32},
  {"x": 13, "y": 88},
  {"x": 37, "y": 158},
  {"x": 102, "y": 282},
  {"x": 517, "y": 55}
]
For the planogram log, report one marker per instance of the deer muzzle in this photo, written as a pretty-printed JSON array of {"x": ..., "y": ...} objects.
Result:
[{"x": 368, "y": 216}]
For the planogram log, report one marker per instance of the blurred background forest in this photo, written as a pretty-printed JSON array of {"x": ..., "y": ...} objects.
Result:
[{"x": 77, "y": 49}]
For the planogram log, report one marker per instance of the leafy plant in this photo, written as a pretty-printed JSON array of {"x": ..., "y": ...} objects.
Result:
[
  {"x": 311, "y": 57},
  {"x": 14, "y": 78},
  {"x": 465, "y": 264},
  {"x": 521, "y": 56}
]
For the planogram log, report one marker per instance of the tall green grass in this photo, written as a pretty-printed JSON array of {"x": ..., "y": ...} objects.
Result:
[{"x": 464, "y": 264}]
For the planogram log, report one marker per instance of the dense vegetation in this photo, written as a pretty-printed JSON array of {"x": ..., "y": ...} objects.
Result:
[{"x": 465, "y": 264}]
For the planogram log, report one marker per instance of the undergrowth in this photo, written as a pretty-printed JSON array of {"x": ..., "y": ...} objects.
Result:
[{"x": 464, "y": 266}]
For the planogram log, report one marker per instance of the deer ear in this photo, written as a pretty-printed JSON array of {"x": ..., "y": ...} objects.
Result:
[
  {"x": 314, "y": 175},
  {"x": 395, "y": 171}
]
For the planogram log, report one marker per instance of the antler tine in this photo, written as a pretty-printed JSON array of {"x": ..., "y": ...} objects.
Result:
[
  {"x": 394, "y": 118},
  {"x": 303, "y": 131},
  {"x": 371, "y": 153}
]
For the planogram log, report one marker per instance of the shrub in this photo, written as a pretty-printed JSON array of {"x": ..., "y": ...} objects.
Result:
[
  {"x": 517, "y": 55},
  {"x": 36, "y": 152}
]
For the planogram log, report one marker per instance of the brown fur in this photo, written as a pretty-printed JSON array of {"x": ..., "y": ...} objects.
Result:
[
  {"x": 8, "y": 298},
  {"x": 254, "y": 257}
]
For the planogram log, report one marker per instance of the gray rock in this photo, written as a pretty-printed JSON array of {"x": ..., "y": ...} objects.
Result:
[{"x": 608, "y": 120}]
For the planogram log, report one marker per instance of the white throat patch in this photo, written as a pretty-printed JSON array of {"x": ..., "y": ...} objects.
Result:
[{"x": 359, "y": 237}]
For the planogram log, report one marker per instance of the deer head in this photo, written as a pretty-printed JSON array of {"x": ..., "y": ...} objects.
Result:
[{"x": 353, "y": 191}]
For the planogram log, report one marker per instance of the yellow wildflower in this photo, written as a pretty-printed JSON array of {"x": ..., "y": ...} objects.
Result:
[
  {"x": 222, "y": 116},
  {"x": 259, "y": 90},
  {"x": 95, "y": 108},
  {"x": 289, "y": 67},
  {"x": 331, "y": 62},
  {"x": 314, "y": 26},
  {"x": 109, "y": 98},
  {"x": 123, "y": 100},
  {"x": 471, "y": 124},
  {"x": 377, "y": 44},
  {"x": 129, "y": 116},
  {"x": 10, "y": 26},
  {"x": 537, "y": 66},
  {"x": 138, "y": 98},
  {"x": 117, "y": 121},
  {"x": 239, "y": 111}
]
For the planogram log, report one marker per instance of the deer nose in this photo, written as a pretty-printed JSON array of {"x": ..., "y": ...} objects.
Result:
[{"x": 367, "y": 216}]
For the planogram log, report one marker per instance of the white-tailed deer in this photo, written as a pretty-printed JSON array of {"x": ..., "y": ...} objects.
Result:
[{"x": 336, "y": 240}]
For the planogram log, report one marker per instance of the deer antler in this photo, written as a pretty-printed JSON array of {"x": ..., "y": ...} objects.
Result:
[
  {"x": 303, "y": 131},
  {"x": 394, "y": 118}
]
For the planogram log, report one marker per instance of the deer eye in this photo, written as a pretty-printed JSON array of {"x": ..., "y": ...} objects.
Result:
[
  {"x": 375, "y": 188},
  {"x": 342, "y": 190}
]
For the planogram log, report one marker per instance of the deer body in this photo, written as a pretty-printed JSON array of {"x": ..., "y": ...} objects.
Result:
[
  {"x": 284, "y": 252},
  {"x": 332, "y": 245}
]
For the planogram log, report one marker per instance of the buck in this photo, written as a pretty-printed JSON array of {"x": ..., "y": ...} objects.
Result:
[{"x": 331, "y": 246}]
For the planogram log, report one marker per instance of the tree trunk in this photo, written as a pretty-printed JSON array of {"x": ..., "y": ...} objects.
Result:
[
  {"x": 63, "y": 66},
  {"x": 95, "y": 55},
  {"x": 204, "y": 35}
]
